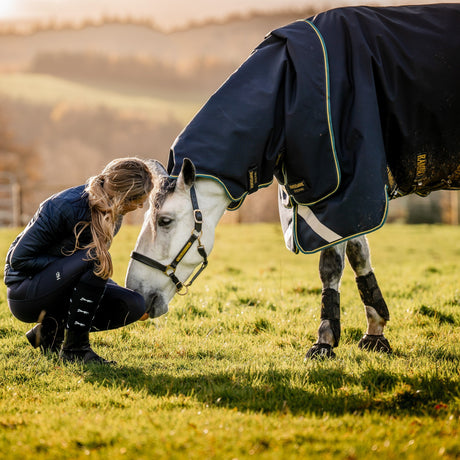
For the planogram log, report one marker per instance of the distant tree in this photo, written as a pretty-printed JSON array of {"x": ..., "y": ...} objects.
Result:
[{"x": 201, "y": 73}]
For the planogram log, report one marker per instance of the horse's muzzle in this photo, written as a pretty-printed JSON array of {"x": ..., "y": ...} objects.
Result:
[{"x": 156, "y": 305}]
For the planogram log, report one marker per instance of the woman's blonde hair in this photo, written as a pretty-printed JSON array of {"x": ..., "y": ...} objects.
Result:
[{"x": 122, "y": 181}]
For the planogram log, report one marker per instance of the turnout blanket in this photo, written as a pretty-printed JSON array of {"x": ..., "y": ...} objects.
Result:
[{"x": 328, "y": 106}]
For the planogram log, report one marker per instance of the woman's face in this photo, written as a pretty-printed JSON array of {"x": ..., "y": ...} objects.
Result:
[{"x": 132, "y": 205}]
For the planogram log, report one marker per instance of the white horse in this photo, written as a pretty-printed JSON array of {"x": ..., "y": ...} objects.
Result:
[
  {"x": 178, "y": 235},
  {"x": 337, "y": 108}
]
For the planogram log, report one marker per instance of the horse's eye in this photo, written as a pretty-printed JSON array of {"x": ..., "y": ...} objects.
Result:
[{"x": 164, "y": 221}]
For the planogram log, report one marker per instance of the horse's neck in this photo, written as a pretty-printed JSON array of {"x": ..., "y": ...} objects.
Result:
[{"x": 213, "y": 200}]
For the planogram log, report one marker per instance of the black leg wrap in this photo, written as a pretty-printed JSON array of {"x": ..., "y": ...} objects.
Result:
[
  {"x": 330, "y": 310},
  {"x": 371, "y": 295}
]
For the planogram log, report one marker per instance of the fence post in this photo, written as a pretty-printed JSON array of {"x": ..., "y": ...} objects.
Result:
[
  {"x": 10, "y": 192},
  {"x": 454, "y": 207},
  {"x": 16, "y": 203}
]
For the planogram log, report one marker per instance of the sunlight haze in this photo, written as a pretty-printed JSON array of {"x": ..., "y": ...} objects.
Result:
[{"x": 166, "y": 14}]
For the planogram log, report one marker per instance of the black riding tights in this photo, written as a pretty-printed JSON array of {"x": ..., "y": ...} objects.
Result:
[{"x": 49, "y": 292}]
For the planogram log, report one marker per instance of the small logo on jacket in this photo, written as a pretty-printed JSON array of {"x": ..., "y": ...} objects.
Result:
[{"x": 58, "y": 276}]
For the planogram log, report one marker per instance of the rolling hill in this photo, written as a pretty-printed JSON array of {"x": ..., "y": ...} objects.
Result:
[
  {"x": 77, "y": 123},
  {"x": 232, "y": 40}
]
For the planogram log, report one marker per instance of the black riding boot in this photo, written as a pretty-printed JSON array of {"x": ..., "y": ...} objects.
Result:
[
  {"x": 48, "y": 334},
  {"x": 83, "y": 305},
  {"x": 76, "y": 347}
]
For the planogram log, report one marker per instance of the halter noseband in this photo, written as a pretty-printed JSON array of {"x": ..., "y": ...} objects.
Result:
[{"x": 170, "y": 270}]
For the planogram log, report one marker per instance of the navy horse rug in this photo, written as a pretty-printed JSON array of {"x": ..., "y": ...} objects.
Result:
[{"x": 334, "y": 107}]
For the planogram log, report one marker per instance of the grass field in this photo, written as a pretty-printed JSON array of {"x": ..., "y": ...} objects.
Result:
[{"x": 223, "y": 376}]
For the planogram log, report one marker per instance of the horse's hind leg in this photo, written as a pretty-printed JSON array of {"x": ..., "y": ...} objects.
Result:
[
  {"x": 377, "y": 313},
  {"x": 331, "y": 265}
]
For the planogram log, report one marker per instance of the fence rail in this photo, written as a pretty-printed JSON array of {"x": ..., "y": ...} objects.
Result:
[{"x": 18, "y": 204}]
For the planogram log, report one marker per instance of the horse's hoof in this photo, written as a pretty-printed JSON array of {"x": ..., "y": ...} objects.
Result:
[
  {"x": 375, "y": 343},
  {"x": 320, "y": 350}
]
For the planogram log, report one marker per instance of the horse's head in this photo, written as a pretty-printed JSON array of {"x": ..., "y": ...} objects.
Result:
[{"x": 177, "y": 235}]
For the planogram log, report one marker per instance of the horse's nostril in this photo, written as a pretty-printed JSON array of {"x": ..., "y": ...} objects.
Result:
[
  {"x": 151, "y": 302},
  {"x": 156, "y": 304}
]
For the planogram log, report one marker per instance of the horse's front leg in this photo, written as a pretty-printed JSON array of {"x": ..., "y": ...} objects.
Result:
[
  {"x": 331, "y": 265},
  {"x": 377, "y": 313}
]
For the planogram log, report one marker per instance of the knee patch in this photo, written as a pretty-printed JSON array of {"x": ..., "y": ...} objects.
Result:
[{"x": 84, "y": 301}]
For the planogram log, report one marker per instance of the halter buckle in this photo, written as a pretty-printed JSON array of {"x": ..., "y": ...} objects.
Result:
[{"x": 198, "y": 216}]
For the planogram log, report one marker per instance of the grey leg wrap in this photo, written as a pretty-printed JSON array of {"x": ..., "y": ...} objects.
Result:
[
  {"x": 330, "y": 310},
  {"x": 371, "y": 295}
]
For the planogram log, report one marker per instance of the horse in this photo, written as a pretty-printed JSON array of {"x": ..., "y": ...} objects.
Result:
[
  {"x": 347, "y": 110},
  {"x": 174, "y": 217}
]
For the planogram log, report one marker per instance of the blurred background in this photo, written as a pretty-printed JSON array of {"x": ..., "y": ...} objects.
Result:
[{"x": 86, "y": 81}]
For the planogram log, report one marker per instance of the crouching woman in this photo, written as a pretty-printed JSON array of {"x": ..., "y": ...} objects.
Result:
[{"x": 58, "y": 269}]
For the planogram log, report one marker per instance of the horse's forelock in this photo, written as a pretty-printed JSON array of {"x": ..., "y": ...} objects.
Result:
[{"x": 164, "y": 185}]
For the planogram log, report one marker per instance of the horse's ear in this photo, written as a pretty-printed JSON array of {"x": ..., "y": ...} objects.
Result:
[
  {"x": 187, "y": 175},
  {"x": 157, "y": 168}
]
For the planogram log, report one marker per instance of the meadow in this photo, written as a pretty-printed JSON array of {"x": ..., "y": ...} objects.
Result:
[
  {"x": 38, "y": 89},
  {"x": 223, "y": 376}
]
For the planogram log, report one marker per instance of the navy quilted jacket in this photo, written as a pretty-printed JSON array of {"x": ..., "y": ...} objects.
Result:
[{"x": 48, "y": 235}]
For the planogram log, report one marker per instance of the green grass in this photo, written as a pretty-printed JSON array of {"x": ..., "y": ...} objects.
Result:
[
  {"x": 223, "y": 376},
  {"x": 49, "y": 90}
]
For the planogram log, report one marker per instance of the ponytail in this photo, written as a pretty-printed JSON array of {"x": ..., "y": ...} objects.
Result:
[{"x": 121, "y": 181}]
